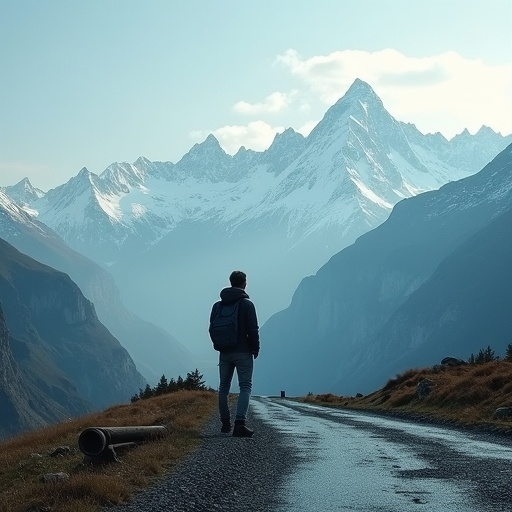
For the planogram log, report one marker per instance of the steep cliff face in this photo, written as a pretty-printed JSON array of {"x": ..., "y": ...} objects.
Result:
[
  {"x": 13, "y": 402},
  {"x": 57, "y": 342},
  {"x": 433, "y": 280},
  {"x": 154, "y": 351},
  {"x": 22, "y": 406}
]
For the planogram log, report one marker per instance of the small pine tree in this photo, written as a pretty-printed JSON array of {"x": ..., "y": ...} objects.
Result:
[
  {"x": 162, "y": 386},
  {"x": 172, "y": 386},
  {"x": 489, "y": 354},
  {"x": 148, "y": 392},
  {"x": 180, "y": 383},
  {"x": 194, "y": 381},
  {"x": 485, "y": 355},
  {"x": 479, "y": 359},
  {"x": 508, "y": 352}
]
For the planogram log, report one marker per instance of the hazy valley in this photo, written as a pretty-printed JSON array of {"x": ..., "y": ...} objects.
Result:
[{"x": 347, "y": 294}]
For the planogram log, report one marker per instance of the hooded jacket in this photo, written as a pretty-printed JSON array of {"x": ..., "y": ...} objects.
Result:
[{"x": 248, "y": 330}]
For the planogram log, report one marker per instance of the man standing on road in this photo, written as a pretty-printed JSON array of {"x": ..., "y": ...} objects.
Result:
[{"x": 237, "y": 354}]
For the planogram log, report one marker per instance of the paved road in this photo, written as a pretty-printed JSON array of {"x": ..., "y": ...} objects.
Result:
[{"x": 358, "y": 462}]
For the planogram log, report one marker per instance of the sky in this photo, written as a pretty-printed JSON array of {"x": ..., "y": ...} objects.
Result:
[{"x": 86, "y": 84}]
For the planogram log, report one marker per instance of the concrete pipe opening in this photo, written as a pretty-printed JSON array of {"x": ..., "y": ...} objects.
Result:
[{"x": 92, "y": 442}]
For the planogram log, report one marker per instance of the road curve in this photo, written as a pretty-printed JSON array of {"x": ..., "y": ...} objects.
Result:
[{"x": 361, "y": 462}]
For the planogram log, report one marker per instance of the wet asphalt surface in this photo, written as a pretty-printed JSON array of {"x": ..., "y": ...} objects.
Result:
[
  {"x": 310, "y": 458},
  {"x": 364, "y": 462}
]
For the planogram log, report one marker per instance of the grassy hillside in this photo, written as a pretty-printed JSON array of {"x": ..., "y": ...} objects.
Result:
[
  {"x": 26, "y": 458},
  {"x": 467, "y": 395}
]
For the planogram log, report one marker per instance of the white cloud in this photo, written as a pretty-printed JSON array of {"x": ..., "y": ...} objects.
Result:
[
  {"x": 441, "y": 93},
  {"x": 275, "y": 102},
  {"x": 257, "y": 135},
  {"x": 306, "y": 128},
  {"x": 445, "y": 92}
]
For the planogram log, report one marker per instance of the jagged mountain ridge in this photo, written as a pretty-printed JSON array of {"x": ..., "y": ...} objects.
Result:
[
  {"x": 433, "y": 280},
  {"x": 154, "y": 351},
  {"x": 135, "y": 205},
  {"x": 280, "y": 214}
]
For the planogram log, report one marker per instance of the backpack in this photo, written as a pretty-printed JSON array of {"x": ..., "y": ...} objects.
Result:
[{"x": 224, "y": 326}]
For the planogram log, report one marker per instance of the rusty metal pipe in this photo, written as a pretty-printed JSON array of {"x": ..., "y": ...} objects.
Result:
[{"x": 94, "y": 441}]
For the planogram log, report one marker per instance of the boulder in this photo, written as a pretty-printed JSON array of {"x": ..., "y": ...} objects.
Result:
[
  {"x": 453, "y": 361},
  {"x": 51, "y": 478},
  {"x": 60, "y": 451},
  {"x": 423, "y": 388}
]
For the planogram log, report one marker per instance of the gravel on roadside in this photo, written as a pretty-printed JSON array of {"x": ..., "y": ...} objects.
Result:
[{"x": 226, "y": 473}]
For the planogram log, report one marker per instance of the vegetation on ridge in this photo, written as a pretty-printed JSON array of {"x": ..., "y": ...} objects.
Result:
[
  {"x": 192, "y": 382},
  {"x": 468, "y": 394}
]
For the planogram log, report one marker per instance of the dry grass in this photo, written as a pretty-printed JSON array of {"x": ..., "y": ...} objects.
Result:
[
  {"x": 25, "y": 459},
  {"x": 468, "y": 394}
]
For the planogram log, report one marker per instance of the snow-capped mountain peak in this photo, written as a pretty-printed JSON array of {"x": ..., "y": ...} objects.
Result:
[
  {"x": 11, "y": 211},
  {"x": 122, "y": 177},
  {"x": 209, "y": 157},
  {"x": 282, "y": 212},
  {"x": 23, "y": 192},
  {"x": 63, "y": 196},
  {"x": 359, "y": 160}
]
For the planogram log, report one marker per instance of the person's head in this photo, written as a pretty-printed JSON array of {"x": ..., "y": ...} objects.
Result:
[{"x": 238, "y": 279}]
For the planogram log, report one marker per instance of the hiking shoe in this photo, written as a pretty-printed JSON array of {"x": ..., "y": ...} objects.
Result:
[
  {"x": 226, "y": 427},
  {"x": 242, "y": 431}
]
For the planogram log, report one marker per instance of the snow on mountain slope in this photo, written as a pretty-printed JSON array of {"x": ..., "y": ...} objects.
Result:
[
  {"x": 301, "y": 201},
  {"x": 432, "y": 280},
  {"x": 359, "y": 159},
  {"x": 9, "y": 209},
  {"x": 23, "y": 192}
]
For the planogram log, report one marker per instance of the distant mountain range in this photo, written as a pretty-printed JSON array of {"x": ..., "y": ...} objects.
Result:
[
  {"x": 170, "y": 234},
  {"x": 57, "y": 359},
  {"x": 434, "y": 280}
]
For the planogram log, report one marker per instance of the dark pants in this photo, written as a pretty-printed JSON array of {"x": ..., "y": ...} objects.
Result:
[{"x": 243, "y": 362}]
